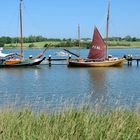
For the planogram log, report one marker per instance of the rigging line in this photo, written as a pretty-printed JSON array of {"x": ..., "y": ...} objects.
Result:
[{"x": 79, "y": 40}]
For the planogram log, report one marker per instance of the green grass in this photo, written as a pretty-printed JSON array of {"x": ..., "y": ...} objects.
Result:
[
  {"x": 124, "y": 44},
  {"x": 136, "y": 44},
  {"x": 37, "y": 44},
  {"x": 112, "y": 44},
  {"x": 70, "y": 124}
]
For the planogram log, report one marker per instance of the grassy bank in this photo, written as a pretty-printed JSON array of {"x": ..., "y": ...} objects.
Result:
[
  {"x": 124, "y": 44},
  {"x": 72, "y": 124},
  {"x": 57, "y": 44}
]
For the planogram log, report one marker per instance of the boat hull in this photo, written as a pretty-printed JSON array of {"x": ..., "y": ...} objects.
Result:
[
  {"x": 106, "y": 63},
  {"x": 26, "y": 62}
]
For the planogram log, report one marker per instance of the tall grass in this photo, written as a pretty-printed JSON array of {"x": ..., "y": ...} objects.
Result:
[{"x": 70, "y": 124}]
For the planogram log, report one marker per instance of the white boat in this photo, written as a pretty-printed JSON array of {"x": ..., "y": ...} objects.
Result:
[
  {"x": 61, "y": 53},
  {"x": 3, "y": 55}
]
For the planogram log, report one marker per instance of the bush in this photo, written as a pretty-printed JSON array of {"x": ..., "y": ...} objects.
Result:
[
  {"x": 31, "y": 45},
  {"x": 1, "y": 44},
  {"x": 46, "y": 45}
]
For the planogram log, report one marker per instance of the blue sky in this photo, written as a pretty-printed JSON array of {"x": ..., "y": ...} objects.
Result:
[{"x": 60, "y": 18}]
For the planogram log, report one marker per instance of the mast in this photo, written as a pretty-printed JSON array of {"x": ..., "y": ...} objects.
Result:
[
  {"x": 21, "y": 36},
  {"x": 107, "y": 27},
  {"x": 79, "y": 39}
]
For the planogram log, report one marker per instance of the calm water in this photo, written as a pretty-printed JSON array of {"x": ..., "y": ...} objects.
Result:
[{"x": 49, "y": 87}]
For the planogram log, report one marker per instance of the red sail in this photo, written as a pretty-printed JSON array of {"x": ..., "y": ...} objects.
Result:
[{"x": 98, "y": 48}]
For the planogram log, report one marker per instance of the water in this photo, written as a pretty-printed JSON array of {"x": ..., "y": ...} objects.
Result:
[{"x": 49, "y": 87}]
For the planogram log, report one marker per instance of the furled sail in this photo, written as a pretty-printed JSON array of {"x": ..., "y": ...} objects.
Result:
[{"x": 98, "y": 48}]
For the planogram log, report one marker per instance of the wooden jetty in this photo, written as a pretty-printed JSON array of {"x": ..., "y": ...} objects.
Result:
[
  {"x": 49, "y": 60},
  {"x": 130, "y": 59}
]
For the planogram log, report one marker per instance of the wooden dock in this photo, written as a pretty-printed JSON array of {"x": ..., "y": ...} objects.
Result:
[
  {"x": 131, "y": 59},
  {"x": 49, "y": 60}
]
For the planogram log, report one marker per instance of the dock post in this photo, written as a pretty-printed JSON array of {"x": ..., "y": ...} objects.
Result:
[
  {"x": 49, "y": 60},
  {"x": 137, "y": 62},
  {"x": 69, "y": 59},
  {"x": 129, "y": 60}
]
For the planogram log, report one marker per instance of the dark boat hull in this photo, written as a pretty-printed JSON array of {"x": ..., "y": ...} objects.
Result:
[{"x": 22, "y": 63}]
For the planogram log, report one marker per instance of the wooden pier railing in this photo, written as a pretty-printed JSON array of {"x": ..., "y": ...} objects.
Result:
[{"x": 130, "y": 59}]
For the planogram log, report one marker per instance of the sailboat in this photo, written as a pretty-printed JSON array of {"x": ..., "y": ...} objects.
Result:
[
  {"x": 18, "y": 60},
  {"x": 97, "y": 56}
]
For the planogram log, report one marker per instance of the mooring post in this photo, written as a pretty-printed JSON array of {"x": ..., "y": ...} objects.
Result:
[
  {"x": 69, "y": 58},
  {"x": 137, "y": 62},
  {"x": 129, "y": 59},
  {"x": 49, "y": 60},
  {"x": 129, "y": 62}
]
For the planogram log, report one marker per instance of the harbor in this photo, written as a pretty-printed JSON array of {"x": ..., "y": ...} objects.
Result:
[
  {"x": 131, "y": 58},
  {"x": 53, "y": 84},
  {"x": 50, "y": 61},
  {"x": 69, "y": 73}
]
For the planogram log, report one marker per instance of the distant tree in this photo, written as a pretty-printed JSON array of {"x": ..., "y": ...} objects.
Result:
[
  {"x": 46, "y": 45},
  {"x": 128, "y": 38},
  {"x": 15, "y": 40},
  {"x": 32, "y": 39},
  {"x": 134, "y": 39},
  {"x": 64, "y": 39},
  {"x": 1, "y": 44},
  {"x": 68, "y": 43},
  {"x": 40, "y": 39},
  {"x": 31, "y": 45},
  {"x": 8, "y": 40},
  {"x": 3, "y": 39}
]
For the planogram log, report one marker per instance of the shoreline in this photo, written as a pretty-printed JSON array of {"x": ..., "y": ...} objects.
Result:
[
  {"x": 110, "y": 47},
  {"x": 75, "y": 124}
]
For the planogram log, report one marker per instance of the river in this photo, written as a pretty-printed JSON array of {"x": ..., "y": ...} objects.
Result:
[{"x": 47, "y": 87}]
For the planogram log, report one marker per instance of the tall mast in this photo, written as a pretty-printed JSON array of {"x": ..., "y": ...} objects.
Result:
[
  {"x": 79, "y": 39},
  {"x": 107, "y": 27},
  {"x": 21, "y": 37}
]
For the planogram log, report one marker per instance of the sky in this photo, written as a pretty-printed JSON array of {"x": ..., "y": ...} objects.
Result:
[{"x": 60, "y": 18}]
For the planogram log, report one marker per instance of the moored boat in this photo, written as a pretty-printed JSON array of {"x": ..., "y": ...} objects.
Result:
[
  {"x": 18, "y": 60},
  {"x": 61, "y": 53},
  {"x": 105, "y": 63},
  {"x": 97, "y": 56}
]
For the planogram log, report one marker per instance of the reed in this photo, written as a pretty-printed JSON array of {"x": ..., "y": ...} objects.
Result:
[{"x": 82, "y": 123}]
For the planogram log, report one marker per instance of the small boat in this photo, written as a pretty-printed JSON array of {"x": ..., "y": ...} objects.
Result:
[
  {"x": 18, "y": 60},
  {"x": 2, "y": 55},
  {"x": 97, "y": 56},
  {"x": 61, "y": 53},
  {"x": 12, "y": 60}
]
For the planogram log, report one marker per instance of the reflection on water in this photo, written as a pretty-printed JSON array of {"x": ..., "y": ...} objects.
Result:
[
  {"x": 116, "y": 85},
  {"x": 102, "y": 84},
  {"x": 98, "y": 81},
  {"x": 48, "y": 87}
]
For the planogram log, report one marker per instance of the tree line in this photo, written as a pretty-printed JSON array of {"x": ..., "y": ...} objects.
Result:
[
  {"x": 30, "y": 39},
  {"x": 126, "y": 38},
  {"x": 85, "y": 42}
]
